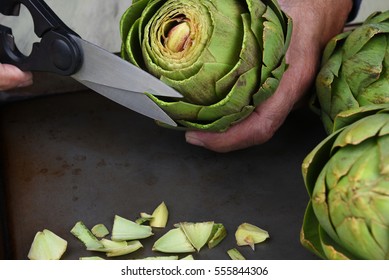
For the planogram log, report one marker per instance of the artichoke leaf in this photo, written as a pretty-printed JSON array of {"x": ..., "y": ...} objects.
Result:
[
  {"x": 278, "y": 72},
  {"x": 342, "y": 97},
  {"x": 377, "y": 17},
  {"x": 197, "y": 233},
  {"x": 379, "y": 199},
  {"x": 309, "y": 234},
  {"x": 132, "y": 48},
  {"x": 355, "y": 231},
  {"x": 227, "y": 21},
  {"x": 272, "y": 36},
  {"x": 380, "y": 233},
  {"x": 82, "y": 233},
  {"x": 282, "y": 17},
  {"x": 161, "y": 258},
  {"x": 249, "y": 234},
  {"x": 333, "y": 46},
  {"x": 160, "y": 216},
  {"x": 92, "y": 258},
  {"x": 221, "y": 124},
  {"x": 112, "y": 245},
  {"x": 366, "y": 66},
  {"x": 331, "y": 249},
  {"x": 47, "y": 246},
  {"x": 100, "y": 230},
  {"x": 217, "y": 235},
  {"x": 377, "y": 92},
  {"x": 174, "y": 241},
  {"x": 130, "y": 16},
  {"x": 257, "y": 9},
  {"x": 343, "y": 160},
  {"x": 321, "y": 206},
  {"x": 234, "y": 254},
  {"x": 313, "y": 163},
  {"x": 326, "y": 76},
  {"x": 350, "y": 116},
  {"x": 385, "y": 128},
  {"x": 361, "y": 36},
  {"x": 361, "y": 130},
  {"x": 366, "y": 168},
  {"x": 124, "y": 229},
  {"x": 383, "y": 147},
  {"x": 249, "y": 58},
  {"x": 129, "y": 248},
  {"x": 239, "y": 96},
  {"x": 266, "y": 90},
  {"x": 204, "y": 83}
]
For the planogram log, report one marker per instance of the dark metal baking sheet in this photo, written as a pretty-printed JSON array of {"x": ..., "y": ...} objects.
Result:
[{"x": 80, "y": 156}]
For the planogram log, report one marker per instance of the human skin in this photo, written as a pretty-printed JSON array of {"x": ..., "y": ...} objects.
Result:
[
  {"x": 315, "y": 22},
  {"x": 12, "y": 77}
]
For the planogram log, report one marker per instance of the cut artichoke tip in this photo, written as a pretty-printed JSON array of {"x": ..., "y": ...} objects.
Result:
[{"x": 204, "y": 49}]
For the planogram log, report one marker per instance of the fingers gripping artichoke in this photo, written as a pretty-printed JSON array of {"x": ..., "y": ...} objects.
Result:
[
  {"x": 355, "y": 69},
  {"x": 347, "y": 178},
  {"x": 224, "y": 56}
]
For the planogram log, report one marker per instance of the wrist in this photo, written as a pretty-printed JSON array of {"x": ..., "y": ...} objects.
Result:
[
  {"x": 321, "y": 19},
  {"x": 333, "y": 15}
]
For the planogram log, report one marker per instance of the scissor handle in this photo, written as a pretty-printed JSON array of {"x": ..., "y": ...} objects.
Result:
[{"x": 57, "y": 51}]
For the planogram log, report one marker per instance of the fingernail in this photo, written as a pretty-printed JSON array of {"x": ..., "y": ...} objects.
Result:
[
  {"x": 191, "y": 139},
  {"x": 25, "y": 83}
]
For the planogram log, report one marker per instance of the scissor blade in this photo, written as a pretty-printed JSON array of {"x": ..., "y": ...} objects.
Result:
[
  {"x": 102, "y": 67},
  {"x": 135, "y": 101}
]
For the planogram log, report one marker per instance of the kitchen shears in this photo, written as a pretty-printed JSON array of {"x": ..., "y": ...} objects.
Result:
[{"x": 62, "y": 51}]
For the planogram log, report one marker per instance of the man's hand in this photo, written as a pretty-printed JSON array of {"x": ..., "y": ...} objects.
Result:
[
  {"x": 12, "y": 77},
  {"x": 315, "y": 22}
]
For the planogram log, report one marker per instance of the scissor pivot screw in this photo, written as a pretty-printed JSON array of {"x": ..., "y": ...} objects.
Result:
[{"x": 61, "y": 54}]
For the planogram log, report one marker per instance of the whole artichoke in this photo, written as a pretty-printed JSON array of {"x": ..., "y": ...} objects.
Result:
[
  {"x": 224, "y": 56},
  {"x": 355, "y": 69},
  {"x": 347, "y": 178}
]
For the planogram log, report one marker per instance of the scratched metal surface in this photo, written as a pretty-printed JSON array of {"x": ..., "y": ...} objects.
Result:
[{"x": 79, "y": 156}]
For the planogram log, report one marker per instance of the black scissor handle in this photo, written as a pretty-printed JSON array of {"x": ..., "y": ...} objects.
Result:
[{"x": 57, "y": 51}]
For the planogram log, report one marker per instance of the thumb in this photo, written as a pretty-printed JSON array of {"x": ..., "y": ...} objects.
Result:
[{"x": 13, "y": 77}]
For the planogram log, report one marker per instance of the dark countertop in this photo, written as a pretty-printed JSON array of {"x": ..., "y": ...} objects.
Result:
[{"x": 79, "y": 156}]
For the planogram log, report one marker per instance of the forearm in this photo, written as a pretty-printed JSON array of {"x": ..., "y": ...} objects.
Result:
[
  {"x": 321, "y": 19},
  {"x": 315, "y": 22}
]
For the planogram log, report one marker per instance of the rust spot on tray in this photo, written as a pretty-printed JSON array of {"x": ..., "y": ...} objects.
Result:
[
  {"x": 44, "y": 171},
  {"x": 77, "y": 171}
]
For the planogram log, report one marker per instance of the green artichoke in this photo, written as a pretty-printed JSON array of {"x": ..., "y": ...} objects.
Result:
[
  {"x": 347, "y": 178},
  {"x": 224, "y": 56},
  {"x": 354, "y": 70}
]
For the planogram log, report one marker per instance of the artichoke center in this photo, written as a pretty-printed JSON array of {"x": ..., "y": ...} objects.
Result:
[{"x": 178, "y": 37}]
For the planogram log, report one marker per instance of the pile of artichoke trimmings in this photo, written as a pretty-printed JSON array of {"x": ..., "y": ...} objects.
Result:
[
  {"x": 347, "y": 174},
  {"x": 224, "y": 56}
]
